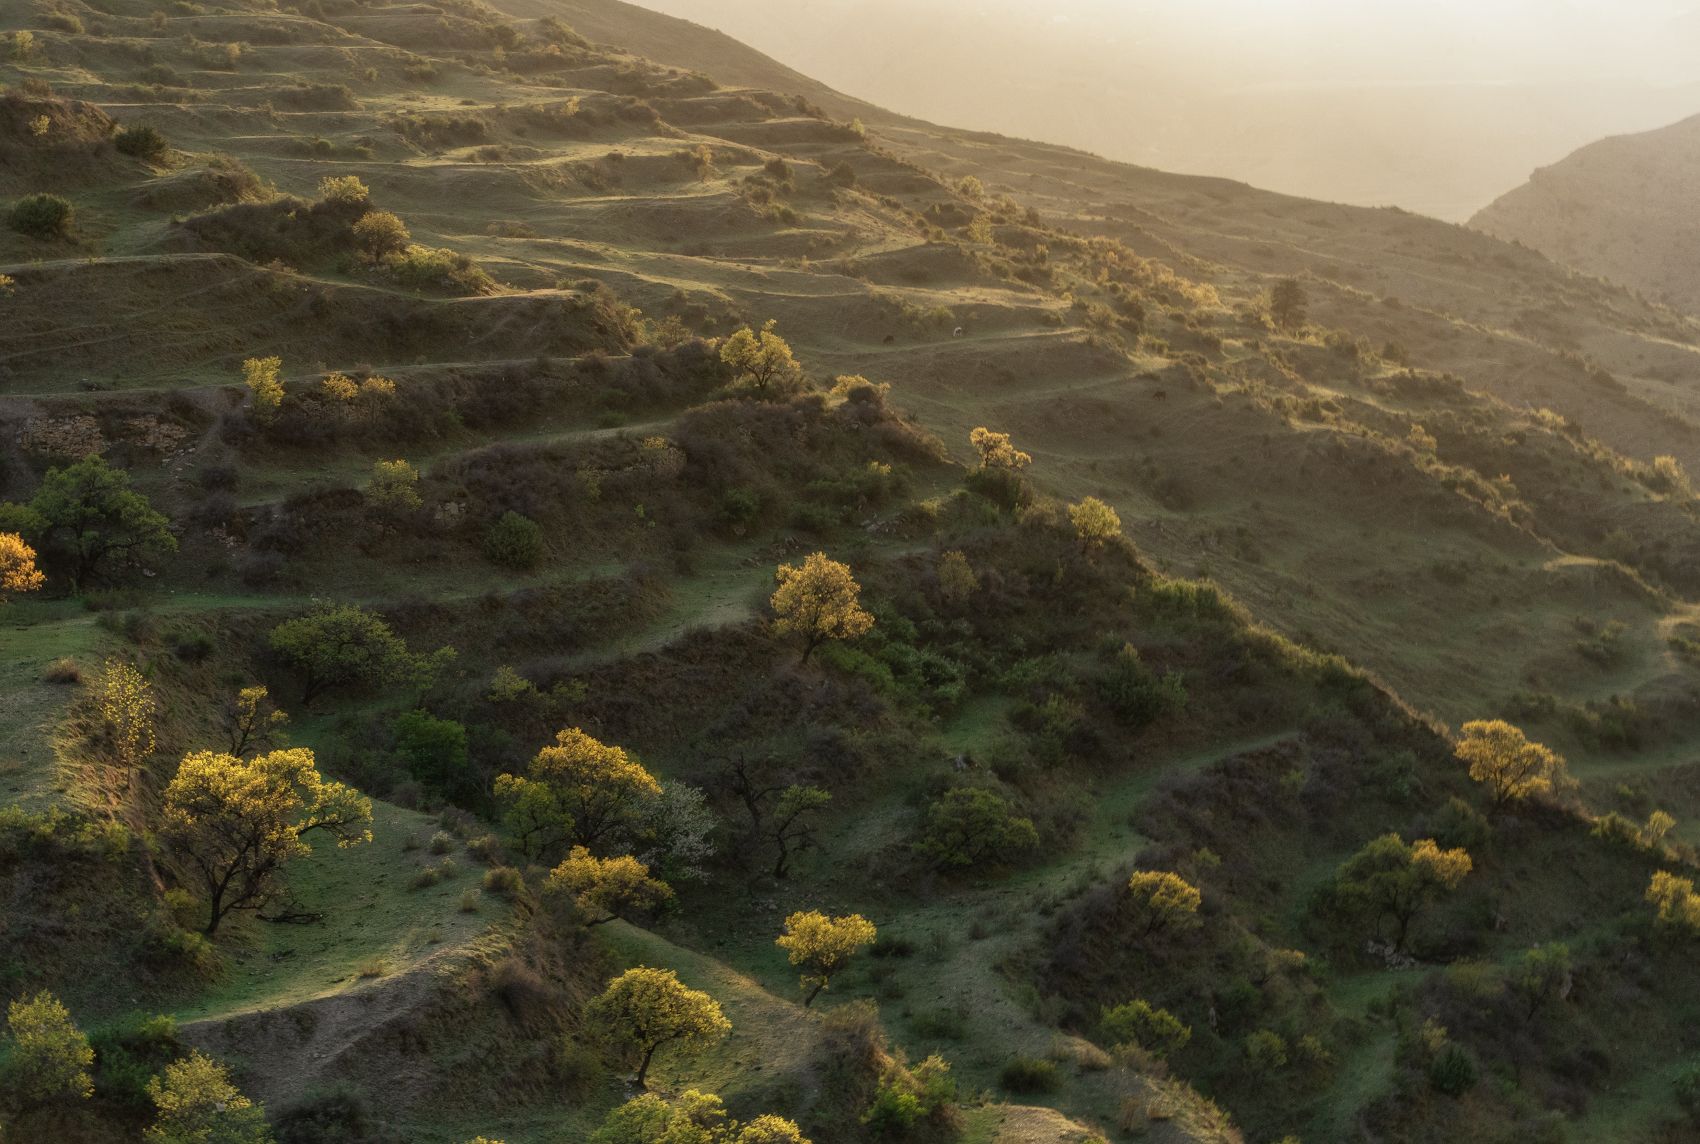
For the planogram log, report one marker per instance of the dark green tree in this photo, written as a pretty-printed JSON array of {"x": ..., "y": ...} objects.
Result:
[{"x": 89, "y": 523}]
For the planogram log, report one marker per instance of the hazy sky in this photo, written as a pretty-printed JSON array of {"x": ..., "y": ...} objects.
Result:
[{"x": 1438, "y": 105}]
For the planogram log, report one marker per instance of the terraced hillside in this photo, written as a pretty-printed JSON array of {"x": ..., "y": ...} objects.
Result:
[{"x": 514, "y": 257}]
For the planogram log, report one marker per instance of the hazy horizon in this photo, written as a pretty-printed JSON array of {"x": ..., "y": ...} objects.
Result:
[{"x": 1439, "y": 109}]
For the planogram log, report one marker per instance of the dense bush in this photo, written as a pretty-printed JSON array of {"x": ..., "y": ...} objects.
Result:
[
  {"x": 1030, "y": 1076},
  {"x": 514, "y": 541},
  {"x": 144, "y": 142},
  {"x": 42, "y": 216}
]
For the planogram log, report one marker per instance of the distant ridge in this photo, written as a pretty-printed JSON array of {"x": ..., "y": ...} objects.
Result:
[{"x": 1623, "y": 208}]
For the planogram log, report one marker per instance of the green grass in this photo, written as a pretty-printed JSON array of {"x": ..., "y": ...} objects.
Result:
[
  {"x": 34, "y": 635},
  {"x": 372, "y": 918}
]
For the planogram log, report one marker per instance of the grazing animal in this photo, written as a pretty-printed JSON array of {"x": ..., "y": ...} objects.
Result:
[
  {"x": 957, "y": 333},
  {"x": 891, "y": 339},
  {"x": 1160, "y": 395}
]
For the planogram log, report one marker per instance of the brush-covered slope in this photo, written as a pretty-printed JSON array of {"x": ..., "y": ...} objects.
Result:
[
  {"x": 510, "y": 257},
  {"x": 1621, "y": 208}
]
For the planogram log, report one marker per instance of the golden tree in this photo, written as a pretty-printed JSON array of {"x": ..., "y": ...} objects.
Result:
[
  {"x": 1675, "y": 900},
  {"x": 823, "y": 946},
  {"x": 253, "y": 721},
  {"x": 1095, "y": 523},
  {"x": 261, "y": 376},
  {"x": 761, "y": 361},
  {"x": 577, "y": 790},
  {"x": 378, "y": 233},
  {"x": 996, "y": 451},
  {"x": 238, "y": 822},
  {"x": 50, "y": 1056},
  {"x": 344, "y": 190},
  {"x": 644, "y": 1010},
  {"x": 18, "y": 572},
  {"x": 1163, "y": 901},
  {"x": 195, "y": 1103},
  {"x": 1506, "y": 762},
  {"x": 819, "y": 601},
  {"x": 607, "y": 888},
  {"x": 129, "y": 710},
  {"x": 394, "y": 486},
  {"x": 692, "y": 1117}
]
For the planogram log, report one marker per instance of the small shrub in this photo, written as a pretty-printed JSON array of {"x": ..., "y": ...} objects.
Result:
[
  {"x": 62, "y": 670},
  {"x": 42, "y": 216},
  {"x": 503, "y": 880},
  {"x": 514, "y": 541},
  {"x": 1030, "y": 1075},
  {"x": 1266, "y": 1050},
  {"x": 1452, "y": 1072},
  {"x": 143, "y": 141},
  {"x": 442, "y": 842}
]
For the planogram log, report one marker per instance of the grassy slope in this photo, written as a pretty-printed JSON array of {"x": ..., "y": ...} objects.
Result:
[{"x": 1326, "y": 562}]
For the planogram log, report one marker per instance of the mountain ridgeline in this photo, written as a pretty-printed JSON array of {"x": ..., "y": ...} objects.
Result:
[
  {"x": 1621, "y": 208},
  {"x": 565, "y": 582}
]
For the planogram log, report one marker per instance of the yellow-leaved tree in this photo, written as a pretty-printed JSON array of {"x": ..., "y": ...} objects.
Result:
[
  {"x": 1162, "y": 901},
  {"x": 253, "y": 721},
  {"x": 996, "y": 451},
  {"x": 607, "y": 888},
  {"x": 761, "y": 361},
  {"x": 194, "y": 1102},
  {"x": 819, "y": 601},
  {"x": 822, "y": 946},
  {"x": 1502, "y": 759},
  {"x": 1095, "y": 523},
  {"x": 49, "y": 1057},
  {"x": 18, "y": 573},
  {"x": 644, "y": 1010},
  {"x": 238, "y": 822},
  {"x": 578, "y": 791},
  {"x": 129, "y": 710},
  {"x": 394, "y": 486},
  {"x": 262, "y": 377}
]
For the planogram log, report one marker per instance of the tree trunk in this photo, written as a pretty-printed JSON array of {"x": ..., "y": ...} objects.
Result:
[
  {"x": 643, "y": 1069},
  {"x": 813, "y": 993}
]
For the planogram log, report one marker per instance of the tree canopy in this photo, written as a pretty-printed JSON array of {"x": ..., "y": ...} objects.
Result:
[
  {"x": 195, "y": 1103},
  {"x": 761, "y": 361},
  {"x": 578, "y": 790},
  {"x": 338, "y": 645},
  {"x": 1162, "y": 901},
  {"x": 607, "y": 888},
  {"x": 18, "y": 573},
  {"x": 822, "y": 946},
  {"x": 238, "y": 822},
  {"x": 1095, "y": 523},
  {"x": 50, "y": 1057},
  {"x": 644, "y": 1010},
  {"x": 819, "y": 601},
  {"x": 89, "y": 523},
  {"x": 972, "y": 827},
  {"x": 1503, "y": 760},
  {"x": 692, "y": 1117},
  {"x": 996, "y": 451},
  {"x": 1390, "y": 880}
]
